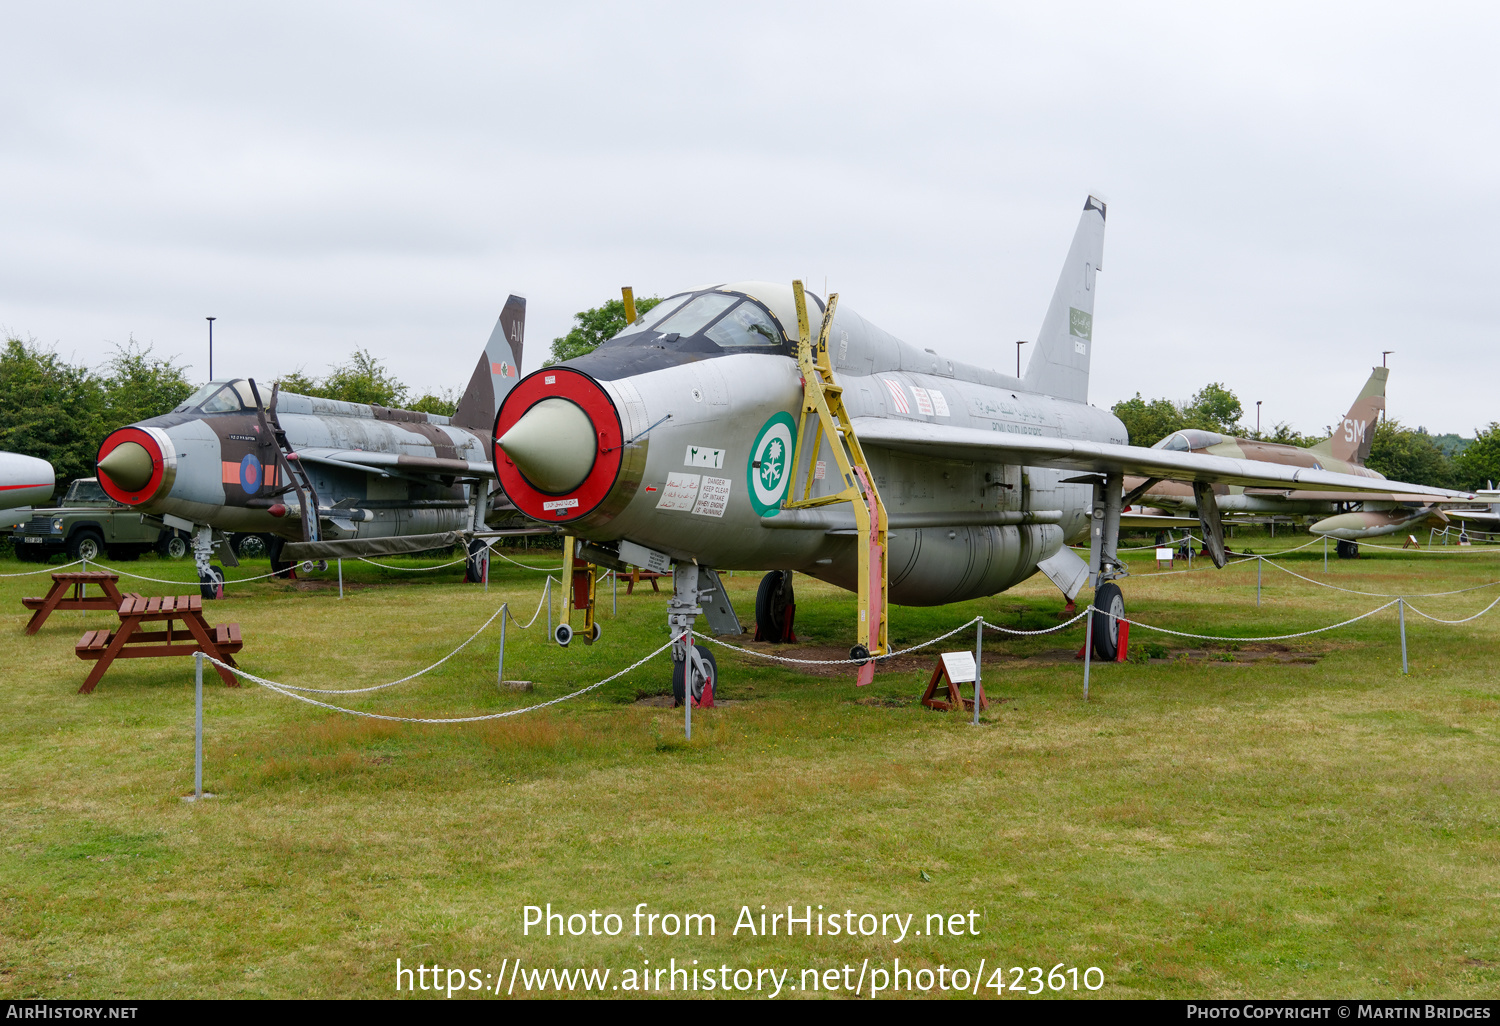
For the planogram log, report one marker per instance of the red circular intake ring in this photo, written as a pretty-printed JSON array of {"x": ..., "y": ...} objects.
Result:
[
  {"x": 145, "y": 441},
  {"x": 584, "y": 391}
]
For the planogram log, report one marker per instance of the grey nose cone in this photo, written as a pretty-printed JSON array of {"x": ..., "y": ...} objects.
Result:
[
  {"x": 553, "y": 444},
  {"x": 128, "y": 465}
]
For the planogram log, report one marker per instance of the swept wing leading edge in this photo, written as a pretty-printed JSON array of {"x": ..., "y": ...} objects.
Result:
[{"x": 943, "y": 441}]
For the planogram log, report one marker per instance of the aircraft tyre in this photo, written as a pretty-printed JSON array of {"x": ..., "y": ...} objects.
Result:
[
  {"x": 474, "y": 564},
  {"x": 280, "y": 567},
  {"x": 679, "y": 675},
  {"x": 562, "y": 634},
  {"x": 1107, "y": 629},
  {"x": 251, "y": 546},
  {"x": 211, "y": 583},
  {"x": 87, "y": 545},
  {"x": 771, "y": 601},
  {"x": 1347, "y": 550}
]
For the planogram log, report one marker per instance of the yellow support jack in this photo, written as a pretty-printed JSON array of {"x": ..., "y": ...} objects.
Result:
[
  {"x": 823, "y": 398},
  {"x": 580, "y": 589}
]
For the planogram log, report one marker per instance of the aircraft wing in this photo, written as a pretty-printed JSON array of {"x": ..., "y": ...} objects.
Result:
[
  {"x": 946, "y": 442},
  {"x": 391, "y": 463}
]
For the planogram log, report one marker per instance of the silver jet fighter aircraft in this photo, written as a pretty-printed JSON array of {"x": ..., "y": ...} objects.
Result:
[
  {"x": 719, "y": 432},
  {"x": 321, "y": 477}
]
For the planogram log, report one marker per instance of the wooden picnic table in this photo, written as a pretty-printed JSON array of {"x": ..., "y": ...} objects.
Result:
[
  {"x": 195, "y": 635},
  {"x": 637, "y": 575},
  {"x": 58, "y": 597}
]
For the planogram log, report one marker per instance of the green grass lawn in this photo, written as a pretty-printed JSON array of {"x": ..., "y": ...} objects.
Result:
[{"x": 1224, "y": 820}]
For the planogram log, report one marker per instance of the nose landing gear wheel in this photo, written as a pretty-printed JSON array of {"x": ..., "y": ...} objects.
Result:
[
  {"x": 679, "y": 675},
  {"x": 1107, "y": 629},
  {"x": 211, "y": 583}
]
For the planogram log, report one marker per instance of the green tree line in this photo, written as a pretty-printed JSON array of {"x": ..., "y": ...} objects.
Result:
[{"x": 62, "y": 411}]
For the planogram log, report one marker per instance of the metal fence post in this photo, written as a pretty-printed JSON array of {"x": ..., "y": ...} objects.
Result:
[
  {"x": 500, "y": 670},
  {"x": 978, "y": 655},
  {"x": 547, "y": 599},
  {"x": 1401, "y": 612},
  {"x": 1325, "y": 553},
  {"x": 1258, "y": 561},
  {"x": 341, "y": 577},
  {"x": 687, "y": 687},
  {"x": 198, "y": 725},
  {"x": 614, "y": 593},
  {"x": 1088, "y": 647}
]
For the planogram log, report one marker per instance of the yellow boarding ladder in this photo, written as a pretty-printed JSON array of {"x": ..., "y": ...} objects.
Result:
[{"x": 824, "y": 397}]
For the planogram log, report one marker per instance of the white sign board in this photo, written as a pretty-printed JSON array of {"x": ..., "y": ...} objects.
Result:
[
  {"x": 959, "y": 666},
  {"x": 1163, "y": 555},
  {"x": 646, "y": 559},
  {"x": 681, "y": 492},
  {"x": 713, "y": 497}
]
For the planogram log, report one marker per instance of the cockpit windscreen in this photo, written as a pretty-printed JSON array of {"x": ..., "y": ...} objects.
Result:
[
  {"x": 691, "y": 318},
  {"x": 745, "y": 325}
]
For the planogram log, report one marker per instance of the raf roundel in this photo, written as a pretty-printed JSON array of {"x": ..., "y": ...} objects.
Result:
[
  {"x": 770, "y": 469},
  {"x": 250, "y": 477}
]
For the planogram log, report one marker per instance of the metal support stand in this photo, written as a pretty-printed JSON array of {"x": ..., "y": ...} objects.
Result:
[
  {"x": 682, "y": 613},
  {"x": 978, "y": 664},
  {"x": 198, "y": 725},
  {"x": 1088, "y": 648},
  {"x": 1401, "y": 612}
]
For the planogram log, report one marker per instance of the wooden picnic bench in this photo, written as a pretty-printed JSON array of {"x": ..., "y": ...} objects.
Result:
[
  {"x": 195, "y": 635},
  {"x": 637, "y": 575},
  {"x": 58, "y": 597}
]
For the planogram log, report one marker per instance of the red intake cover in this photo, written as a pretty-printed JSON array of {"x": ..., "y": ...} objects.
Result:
[{"x": 584, "y": 391}]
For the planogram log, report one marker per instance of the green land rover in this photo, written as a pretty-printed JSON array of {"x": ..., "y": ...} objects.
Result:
[{"x": 90, "y": 525}]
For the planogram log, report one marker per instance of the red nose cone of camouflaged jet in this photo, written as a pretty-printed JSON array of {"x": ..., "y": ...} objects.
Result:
[
  {"x": 558, "y": 441},
  {"x": 132, "y": 466}
]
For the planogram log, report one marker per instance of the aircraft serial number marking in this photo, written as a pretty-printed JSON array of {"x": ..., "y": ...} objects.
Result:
[{"x": 702, "y": 456}]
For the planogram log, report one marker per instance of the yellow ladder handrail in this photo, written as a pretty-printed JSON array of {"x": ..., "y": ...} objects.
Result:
[{"x": 824, "y": 397}]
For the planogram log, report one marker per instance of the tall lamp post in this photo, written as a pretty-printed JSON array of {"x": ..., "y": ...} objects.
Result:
[
  {"x": 211, "y": 347},
  {"x": 1019, "y": 343},
  {"x": 1257, "y": 417}
]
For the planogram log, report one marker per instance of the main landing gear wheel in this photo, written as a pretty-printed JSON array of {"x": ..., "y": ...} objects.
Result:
[
  {"x": 679, "y": 674},
  {"x": 211, "y": 583},
  {"x": 474, "y": 564},
  {"x": 280, "y": 567},
  {"x": 1347, "y": 550},
  {"x": 1106, "y": 628},
  {"x": 773, "y": 600}
]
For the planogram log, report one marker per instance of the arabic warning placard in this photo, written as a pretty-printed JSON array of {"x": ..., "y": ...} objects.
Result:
[{"x": 681, "y": 492}]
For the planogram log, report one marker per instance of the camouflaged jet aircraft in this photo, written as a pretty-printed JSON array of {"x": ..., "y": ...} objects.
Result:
[
  {"x": 320, "y": 477},
  {"x": 719, "y": 432},
  {"x": 1379, "y": 510}
]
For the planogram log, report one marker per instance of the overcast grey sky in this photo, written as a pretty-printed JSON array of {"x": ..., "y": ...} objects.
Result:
[{"x": 1292, "y": 188}]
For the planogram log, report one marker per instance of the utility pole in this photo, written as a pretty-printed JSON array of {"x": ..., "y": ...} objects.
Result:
[
  {"x": 211, "y": 347},
  {"x": 1019, "y": 343}
]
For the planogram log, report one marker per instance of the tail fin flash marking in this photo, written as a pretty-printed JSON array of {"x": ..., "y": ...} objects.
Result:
[
  {"x": 497, "y": 371},
  {"x": 1060, "y": 359},
  {"x": 1354, "y": 433}
]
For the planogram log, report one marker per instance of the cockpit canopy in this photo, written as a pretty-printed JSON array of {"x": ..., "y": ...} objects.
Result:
[
  {"x": 708, "y": 320},
  {"x": 221, "y": 397},
  {"x": 1189, "y": 439}
]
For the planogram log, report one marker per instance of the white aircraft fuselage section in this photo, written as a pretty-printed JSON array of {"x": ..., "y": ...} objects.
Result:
[{"x": 714, "y": 433}]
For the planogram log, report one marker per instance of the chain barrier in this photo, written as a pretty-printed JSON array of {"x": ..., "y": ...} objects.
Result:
[
  {"x": 546, "y": 597},
  {"x": 46, "y": 569},
  {"x": 524, "y": 566},
  {"x": 160, "y": 580},
  {"x": 403, "y": 680},
  {"x": 1376, "y": 594},
  {"x": 1466, "y": 619},
  {"x": 283, "y": 689},
  {"x": 411, "y": 569}
]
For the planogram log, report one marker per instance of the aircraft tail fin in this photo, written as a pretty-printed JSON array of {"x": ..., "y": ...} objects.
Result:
[
  {"x": 1059, "y": 363},
  {"x": 1355, "y": 433},
  {"x": 497, "y": 371}
]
